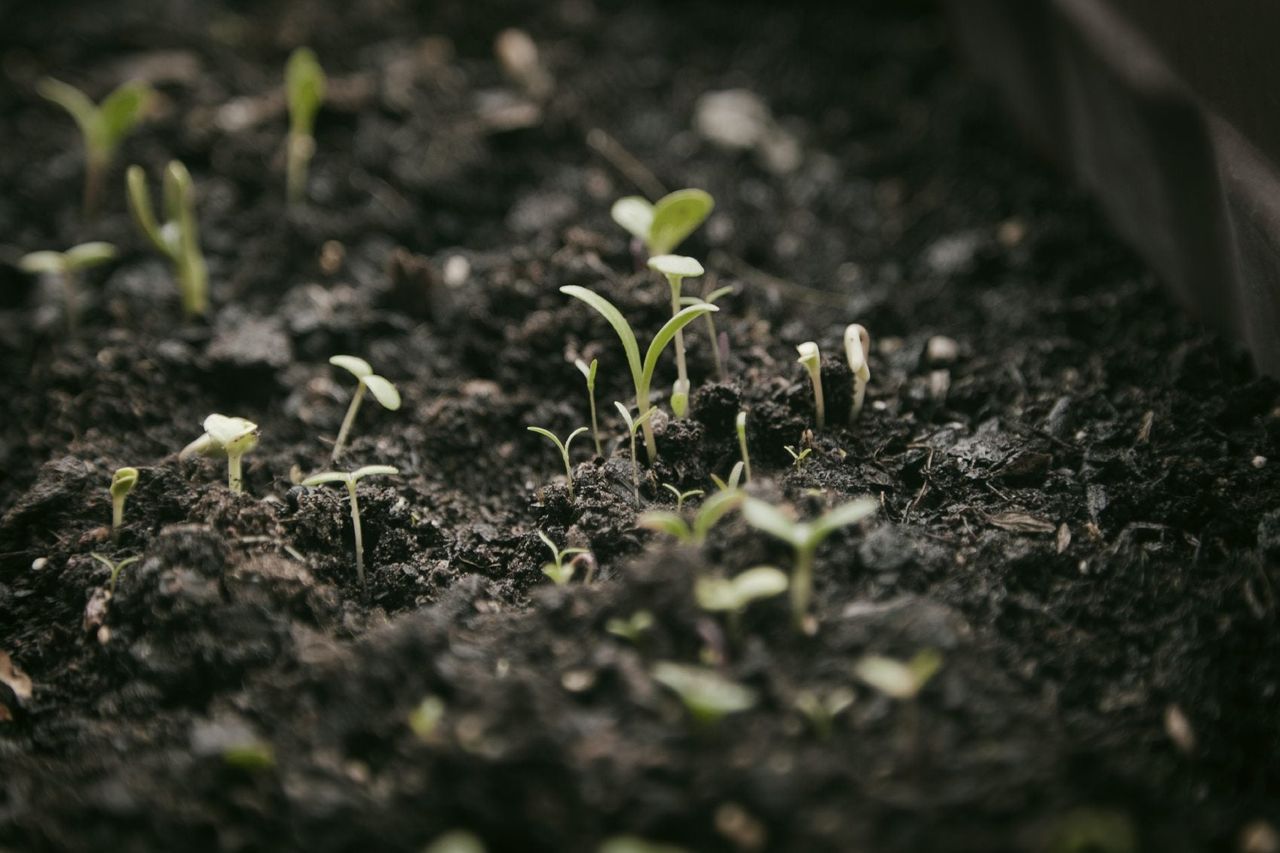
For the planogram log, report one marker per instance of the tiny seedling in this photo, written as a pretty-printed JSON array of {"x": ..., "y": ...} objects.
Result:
[
  {"x": 709, "y": 514},
  {"x": 707, "y": 695},
  {"x": 351, "y": 480},
  {"x": 456, "y": 841},
  {"x": 379, "y": 386},
  {"x": 426, "y": 717},
  {"x": 735, "y": 478},
  {"x": 122, "y": 483},
  {"x": 641, "y": 371},
  {"x": 103, "y": 126},
  {"x": 559, "y": 571},
  {"x": 804, "y": 538},
  {"x": 563, "y": 447},
  {"x": 711, "y": 299},
  {"x": 821, "y": 709},
  {"x": 681, "y": 497},
  {"x": 677, "y": 268},
  {"x": 857, "y": 349},
  {"x": 229, "y": 437},
  {"x": 635, "y": 844},
  {"x": 632, "y": 426},
  {"x": 633, "y": 628},
  {"x": 114, "y": 567},
  {"x": 742, "y": 445},
  {"x": 732, "y": 596},
  {"x": 588, "y": 372},
  {"x": 304, "y": 84},
  {"x": 797, "y": 458},
  {"x": 897, "y": 679},
  {"x": 64, "y": 266},
  {"x": 812, "y": 362},
  {"x": 665, "y": 225},
  {"x": 178, "y": 239}
]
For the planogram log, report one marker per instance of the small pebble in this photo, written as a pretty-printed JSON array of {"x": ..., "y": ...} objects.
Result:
[
  {"x": 1259, "y": 462},
  {"x": 942, "y": 350},
  {"x": 1178, "y": 728},
  {"x": 39, "y": 563},
  {"x": 1259, "y": 837}
]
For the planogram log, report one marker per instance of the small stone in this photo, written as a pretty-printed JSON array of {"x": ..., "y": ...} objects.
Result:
[
  {"x": 941, "y": 350},
  {"x": 39, "y": 564},
  {"x": 457, "y": 269},
  {"x": 1178, "y": 728},
  {"x": 1258, "y": 462},
  {"x": 732, "y": 118}
]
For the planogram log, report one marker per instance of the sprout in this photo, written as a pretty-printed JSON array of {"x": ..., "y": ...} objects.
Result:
[
  {"x": 742, "y": 445},
  {"x": 709, "y": 514},
  {"x": 857, "y": 348},
  {"x": 563, "y": 447},
  {"x": 559, "y": 571},
  {"x": 122, "y": 483},
  {"x": 632, "y": 426},
  {"x": 805, "y": 539},
  {"x": 381, "y": 388},
  {"x": 706, "y": 694},
  {"x": 634, "y": 844},
  {"x": 898, "y": 680},
  {"x": 114, "y": 568},
  {"x": 821, "y": 710},
  {"x": 229, "y": 437},
  {"x": 304, "y": 85},
  {"x": 677, "y": 268},
  {"x": 797, "y": 458},
  {"x": 456, "y": 841},
  {"x": 681, "y": 497},
  {"x": 711, "y": 299},
  {"x": 733, "y": 595},
  {"x": 65, "y": 265},
  {"x": 589, "y": 374},
  {"x": 103, "y": 126},
  {"x": 812, "y": 361},
  {"x": 351, "y": 480},
  {"x": 663, "y": 226},
  {"x": 426, "y": 717},
  {"x": 632, "y": 628},
  {"x": 178, "y": 239},
  {"x": 735, "y": 478}
]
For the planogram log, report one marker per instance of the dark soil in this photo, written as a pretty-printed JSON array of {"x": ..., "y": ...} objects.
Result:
[{"x": 1078, "y": 510}]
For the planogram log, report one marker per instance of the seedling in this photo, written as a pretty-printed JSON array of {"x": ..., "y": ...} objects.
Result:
[
  {"x": 804, "y": 538},
  {"x": 65, "y": 266},
  {"x": 114, "y": 567},
  {"x": 426, "y": 717},
  {"x": 742, "y": 445},
  {"x": 122, "y": 483},
  {"x": 631, "y": 629},
  {"x": 735, "y": 478},
  {"x": 711, "y": 299},
  {"x": 379, "y": 386},
  {"x": 677, "y": 268},
  {"x": 229, "y": 437},
  {"x": 178, "y": 239},
  {"x": 559, "y": 571},
  {"x": 681, "y": 497},
  {"x": 103, "y": 126},
  {"x": 707, "y": 695},
  {"x": 304, "y": 84},
  {"x": 857, "y": 349},
  {"x": 663, "y": 226},
  {"x": 588, "y": 372},
  {"x": 641, "y": 372},
  {"x": 351, "y": 480},
  {"x": 798, "y": 458},
  {"x": 896, "y": 679},
  {"x": 635, "y": 844},
  {"x": 456, "y": 841},
  {"x": 812, "y": 362},
  {"x": 563, "y": 447},
  {"x": 821, "y": 710},
  {"x": 732, "y": 596},
  {"x": 632, "y": 426},
  {"x": 709, "y": 514}
]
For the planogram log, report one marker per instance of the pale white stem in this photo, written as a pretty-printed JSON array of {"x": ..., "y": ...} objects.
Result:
[
  {"x": 359, "y": 535},
  {"x": 235, "y": 480}
]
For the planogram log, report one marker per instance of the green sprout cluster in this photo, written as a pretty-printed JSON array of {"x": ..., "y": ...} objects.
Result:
[
  {"x": 178, "y": 237},
  {"x": 558, "y": 570}
]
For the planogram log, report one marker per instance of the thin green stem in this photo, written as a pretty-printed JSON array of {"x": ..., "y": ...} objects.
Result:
[
  {"x": 347, "y": 422},
  {"x": 300, "y": 149},
  {"x": 679, "y": 398},
  {"x": 595, "y": 426},
  {"x": 802, "y": 584},
  {"x": 635, "y": 468},
  {"x": 568, "y": 469},
  {"x": 117, "y": 514}
]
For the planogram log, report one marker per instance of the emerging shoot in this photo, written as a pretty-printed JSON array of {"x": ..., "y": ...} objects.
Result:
[
  {"x": 559, "y": 571},
  {"x": 708, "y": 515},
  {"x": 229, "y": 437},
  {"x": 304, "y": 84},
  {"x": 742, "y": 445},
  {"x": 379, "y": 386},
  {"x": 711, "y": 299},
  {"x": 857, "y": 348},
  {"x": 735, "y": 478},
  {"x": 677, "y": 268},
  {"x": 798, "y": 458},
  {"x": 681, "y": 497},
  {"x": 632, "y": 426},
  {"x": 65, "y": 266},
  {"x": 588, "y": 372},
  {"x": 812, "y": 362},
  {"x": 707, "y": 695},
  {"x": 351, "y": 480},
  {"x": 896, "y": 679},
  {"x": 733, "y": 595},
  {"x": 821, "y": 710},
  {"x": 563, "y": 447},
  {"x": 122, "y": 483},
  {"x": 631, "y": 629},
  {"x": 178, "y": 238},
  {"x": 114, "y": 568},
  {"x": 663, "y": 226}
]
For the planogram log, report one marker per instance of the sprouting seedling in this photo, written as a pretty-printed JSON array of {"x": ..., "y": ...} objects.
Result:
[
  {"x": 821, "y": 709},
  {"x": 632, "y": 426},
  {"x": 857, "y": 348},
  {"x": 641, "y": 372},
  {"x": 229, "y": 437},
  {"x": 65, "y": 266},
  {"x": 707, "y": 695},
  {"x": 711, "y": 299},
  {"x": 636, "y": 844},
  {"x": 812, "y": 362},
  {"x": 732, "y": 596},
  {"x": 563, "y": 447},
  {"x": 797, "y": 458},
  {"x": 588, "y": 372},
  {"x": 897, "y": 679},
  {"x": 122, "y": 483},
  {"x": 742, "y": 445},
  {"x": 351, "y": 480},
  {"x": 379, "y": 386},
  {"x": 114, "y": 567},
  {"x": 677, "y": 268},
  {"x": 178, "y": 239},
  {"x": 735, "y": 478},
  {"x": 663, "y": 226},
  {"x": 681, "y": 497},
  {"x": 708, "y": 515},
  {"x": 804, "y": 538},
  {"x": 631, "y": 629},
  {"x": 103, "y": 126},
  {"x": 456, "y": 841},
  {"x": 304, "y": 84},
  {"x": 424, "y": 719},
  {"x": 558, "y": 570}
]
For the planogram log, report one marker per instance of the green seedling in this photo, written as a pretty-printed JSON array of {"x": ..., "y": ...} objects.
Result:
[
  {"x": 304, "y": 86},
  {"x": 897, "y": 679},
  {"x": 681, "y": 497},
  {"x": 563, "y": 447},
  {"x": 122, "y": 483},
  {"x": 252, "y": 756},
  {"x": 665, "y": 225},
  {"x": 804, "y": 538},
  {"x": 426, "y": 717},
  {"x": 103, "y": 126},
  {"x": 351, "y": 480},
  {"x": 1094, "y": 830},
  {"x": 559, "y": 571},
  {"x": 735, "y": 478},
  {"x": 798, "y": 458},
  {"x": 641, "y": 372},
  {"x": 821, "y": 709},
  {"x": 456, "y": 841},
  {"x": 633, "y": 628},
  {"x": 632, "y": 426},
  {"x": 229, "y": 437},
  {"x": 812, "y": 362},
  {"x": 677, "y": 268},
  {"x": 379, "y": 386},
  {"x": 742, "y": 445},
  {"x": 711, "y": 299},
  {"x": 588, "y": 372},
  {"x": 707, "y": 695},
  {"x": 709, "y": 514},
  {"x": 114, "y": 568},
  {"x": 635, "y": 844},
  {"x": 65, "y": 266},
  {"x": 732, "y": 596},
  {"x": 178, "y": 239},
  {"x": 857, "y": 349}
]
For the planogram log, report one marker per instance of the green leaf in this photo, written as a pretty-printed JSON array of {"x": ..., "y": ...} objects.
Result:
[
  {"x": 383, "y": 391},
  {"x": 89, "y": 255},
  {"x": 895, "y": 679},
  {"x": 552, "y": 437},
  {"x": 732, "y": 594},
  {"x": 43, "y": 262},
  {"x": 664, "y": 521},
  {"x": 626, "y": 416},
  {"x": 227, "y": 431},
  {"x": 72, "y": 100},
  {"x": 634, "y": 214},
  {"x": 123, "y": 481},
  {"x": 304, "y": 89},
  {"x": 634, "y": 844},
  {"x": 844, "y": 515},
  {"x": 327, "y": 477},
  {"x": 769, "y": 519},
  {"x": 139, "y": 198},
  {"x": 675, "y": 217},
  {"x": 121, "y": 111},
  {"x": 606, "y": 309},
  {"x": 374, "y": 471},
  {"x": 707, "y": 694},
  {"x": 577, "y": 432},
  {"x": 665, "y": 335},
  {"x": 456, "y": 841},
  {"x": 680, "y": 266},
  {"x": 712, "y": 510},
  {"x": 357, "y": 367}
]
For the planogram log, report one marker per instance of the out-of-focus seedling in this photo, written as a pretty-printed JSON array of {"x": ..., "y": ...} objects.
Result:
[
  {"x": 456, "y": 841},
  {"x": 114, "y": 567},
  {"x": 632, "y": 426},
  {"x": 634, "y": 844},
  {"x": 563, "y": 447},
  {"x": 804, "y": 538},
  {"x": 65, "y": 266},
  {"x": 897, "y": 679},
  {"x": 677, "y": 268},
  {"x": 709, "y": 514},
  {"x": 178, "y": 239},
  {"x": 251, "y": 756},
  {"x": 741, "y": 424},
  {"x": 821, "y": 709},
  {"x": 641, "y": 371},
  {"x": 797, "y": 458},
  {"x": 1095, "y": 830},
  {"x": 588, "y": 372},
  {"x": 633, "y": 628},
  {"x": 122, "y": 483},
  {"x": 707, "y": 695},
  {"x": 735, "y": 478},
  {"x": 304, "y": 85},
  {"x": 812, "y": 362},
  {"x": 351, "y": 479},
  {"x": 229, "y": 437},
  {"x": 379, "y": 386},
  {"x": 425, "y": 719},
  {"x": 711, "y": 299},
  {"x": 857, "y": 349},
  {"x": 665, "y": 225},
  {"x": 681, "y": 497},
  {"x": 732, "y": 596},
  {"x": 558, "y": 570},
  {"x": 103, "y": 126}
]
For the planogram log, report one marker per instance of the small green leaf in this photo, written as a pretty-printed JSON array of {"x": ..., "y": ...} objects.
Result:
[
  {"x": 88, "y": 255},
  {"x": 675, "y": 217},
  {"x": 663, "y": 521},
  {"x": 227, "y": 431},
  {"x": 707, "y": 694},
  {"x": 769, "y": 519},
  {"x": 123, "y": 481},
  {"x": 121, "y": 111},
  {"x": 634, "y": 844},
  {"x": 72, "y": 100},
  {"x": 426, "y": 717},
  {"x": 305, "y": 89},
  {"x": 550, "y": 436},
  {"x": 606, "y": 309},
  {"x": 844, "y": 515},
  {"x": 357, "y": 367},
  {"x": 456, "y": 841},
  {"x": 327, "y": 477},
  {"x": 37, "y": 263},
  {"x": 665, "y": 335},
  {"x": 383, "y": 391},
  {"x": 634, "y": 214},
  {"x": 713, "y": 509},
  {"x": 374, "y": 470},
  {"x": 680, "y": 266}
]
